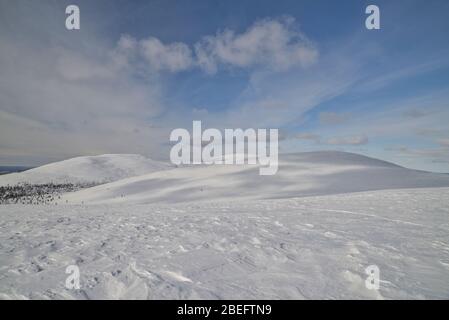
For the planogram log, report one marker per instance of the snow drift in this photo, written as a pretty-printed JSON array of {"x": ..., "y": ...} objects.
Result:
[
  {"x": 89, "y": 169},
  {"x": 301, "y": 174}
]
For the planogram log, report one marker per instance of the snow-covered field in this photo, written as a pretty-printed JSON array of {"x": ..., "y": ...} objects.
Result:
[
  {"x": 303, "y": 234},
  {"x": 303, "y": 248}
]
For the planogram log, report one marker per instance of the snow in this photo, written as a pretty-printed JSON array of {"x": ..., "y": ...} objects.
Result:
[
  {"x": 225, "y": 232},
  {"x": 301, "y": 174},
  {"x": 89, "y": 169},
  {"x": 299, "y": 248}
]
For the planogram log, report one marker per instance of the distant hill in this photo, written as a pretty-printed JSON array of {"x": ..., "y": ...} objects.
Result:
[{"x": 90, "y": 169}]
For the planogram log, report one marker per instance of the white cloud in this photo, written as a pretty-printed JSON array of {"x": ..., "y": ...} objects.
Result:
[
  {"x": 270, "y": 43},
  {"x": 273, "y": 43},
  {"x": 173, "y": 57},
  {"x": 75, "y": 94}
]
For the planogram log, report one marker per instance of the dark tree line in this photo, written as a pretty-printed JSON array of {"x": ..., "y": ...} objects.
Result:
[{"x": 48, "y": 193}]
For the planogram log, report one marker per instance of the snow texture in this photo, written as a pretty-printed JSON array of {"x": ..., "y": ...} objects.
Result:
[{"x": 224, "y": 232}]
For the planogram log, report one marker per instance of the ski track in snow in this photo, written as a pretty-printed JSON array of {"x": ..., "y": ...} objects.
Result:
[{"x": 299, "y": 248}]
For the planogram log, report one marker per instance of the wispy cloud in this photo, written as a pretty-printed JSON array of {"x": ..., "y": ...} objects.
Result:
[
  {"x": 333, "y": 117},
  {"x": 352, "y": 140},
  {"x": 308, "y": 136}
]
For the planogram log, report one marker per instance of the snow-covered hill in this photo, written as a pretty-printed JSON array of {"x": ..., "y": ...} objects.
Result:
[
  {"x": 302, "y": 174},
  {"x": 90, "y": 169}
]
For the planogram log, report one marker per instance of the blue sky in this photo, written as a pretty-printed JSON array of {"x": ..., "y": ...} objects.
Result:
[{"x": 138, "y": 69}]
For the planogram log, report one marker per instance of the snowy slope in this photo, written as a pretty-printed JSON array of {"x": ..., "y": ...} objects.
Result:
[
  {"x": 302, "y": 174},
  {"x": 90, "y": 169},
  {"x": 303, "y": 248}
]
